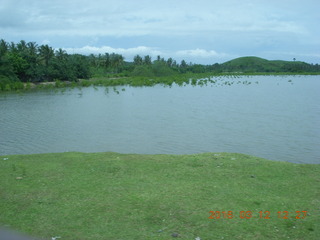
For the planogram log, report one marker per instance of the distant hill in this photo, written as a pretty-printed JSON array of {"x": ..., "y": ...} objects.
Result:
[{"x": 256, "y": 64}]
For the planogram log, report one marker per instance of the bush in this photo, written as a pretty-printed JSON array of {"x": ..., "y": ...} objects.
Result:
[
  {"x": 142, "y": 71},
  {"x": 160, "y": 69},
  {"x": 6, "y": 84}
]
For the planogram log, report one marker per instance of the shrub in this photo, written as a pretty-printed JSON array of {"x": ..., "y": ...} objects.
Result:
[{"x": 142, "y": 71}]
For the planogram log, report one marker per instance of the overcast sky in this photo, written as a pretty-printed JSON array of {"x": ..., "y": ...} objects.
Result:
[{"x": 199, "y": 31}]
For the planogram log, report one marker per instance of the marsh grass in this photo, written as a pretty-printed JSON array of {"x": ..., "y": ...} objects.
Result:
[
  {"x": 182, "y": 79},
  {"x": 128, "y": 196}
]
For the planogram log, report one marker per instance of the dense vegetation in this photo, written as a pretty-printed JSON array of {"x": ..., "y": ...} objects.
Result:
[
  {"x": 28, "y": 62},
  {"x": 260, "y": 65},
  {"x": 24, "y": 63},
  {"x": 130, "y": 196}
]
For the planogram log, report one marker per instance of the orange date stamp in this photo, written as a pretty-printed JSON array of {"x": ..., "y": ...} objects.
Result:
[{"x": 260, "y": 214}]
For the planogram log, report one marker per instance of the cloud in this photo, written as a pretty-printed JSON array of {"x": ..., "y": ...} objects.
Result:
[
  {"x": 128, "y": 53},
  {"x": 202, "y": 53},
  {"x": 203, "y": 56},
  {"x": 229, "y": 26},
  {"x": 131, "y": 18},
  {"x": 282, "y": 55},
  {"x": 193, "y": 55},
  {"x": 8, "y": 19}
]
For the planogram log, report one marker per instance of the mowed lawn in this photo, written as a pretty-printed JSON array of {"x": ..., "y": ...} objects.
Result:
[{"x": 80, "y": 196}]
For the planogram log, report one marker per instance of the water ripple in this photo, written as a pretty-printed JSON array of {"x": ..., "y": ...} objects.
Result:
[{"x": 272, "y": 119}]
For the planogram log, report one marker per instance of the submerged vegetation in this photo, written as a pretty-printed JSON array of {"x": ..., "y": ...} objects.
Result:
[
  {"x": 26, "y": 65},
  {"x": 130, "y": 196}
]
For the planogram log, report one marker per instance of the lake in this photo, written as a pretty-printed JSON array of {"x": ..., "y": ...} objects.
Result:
[{"x": 275, "y": 117}]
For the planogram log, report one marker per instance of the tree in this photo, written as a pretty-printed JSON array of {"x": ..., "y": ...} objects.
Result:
[
  {"x": 6, "y": 69},
  {"x": 107, "y": 60},
  {"x": 61, "y": 54},
  {"x": 19, "y": 65},
  {"x": 93, "y": 60},
  {"x": 46, "y": 53},
  {"x": 12, "y": 47},
  {"x": 45, "y": 70},
  {"x": 161, "y": 69},
  {"x": 142, "y": 71},
  {"x": 174, "y": 64},
  {"x": 32, "y": 48},
  {"x": 80, "y": 66},
  {"x": 3, "y": 47},
  {"x": 183, "y": 66},
  {"x": 147, "y": 60},
  {"x": 116, "y": 61},
  {"x": 62, "y": 67},
  {"x": 32, "y": 57},
  {"x": 137, "y": 60},
  {"x": 169, "y": 62},
  {"x": 21, "y": 46}
]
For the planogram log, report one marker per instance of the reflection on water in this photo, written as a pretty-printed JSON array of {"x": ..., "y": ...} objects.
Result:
[{"x": 271, "y": 117}]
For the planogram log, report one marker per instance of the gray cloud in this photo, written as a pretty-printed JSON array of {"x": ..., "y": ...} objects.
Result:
[
  {"x": 229, "y": 26},
  {"x": 11, "y": 17}
]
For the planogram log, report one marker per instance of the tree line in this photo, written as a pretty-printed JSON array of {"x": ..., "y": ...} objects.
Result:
[
  {"x": 30, "y": 62},
  {"x": 142, "y": 65}
]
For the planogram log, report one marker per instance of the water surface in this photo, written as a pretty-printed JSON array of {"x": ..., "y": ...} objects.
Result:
[{"x": 273, "y": 117}]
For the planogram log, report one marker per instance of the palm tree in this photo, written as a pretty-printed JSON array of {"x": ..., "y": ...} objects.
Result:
[
  {"x": 46, "y": 54},
  {"x": 120, "y": 61},
  {"x": 106, "y": 60},
  {"x": 61, "y": 54},
  {"x": 4, "y": 47},
  {"x": 169, "y": 62},
  {"x": 137, "y": 60},
  {"x": 12, "y": 47},
  {"x": 22, "y": 46},
  {"x": 147, "y": 60},
  {"x": 116, "y": 61},
  {"x": 32, "y": 48}
]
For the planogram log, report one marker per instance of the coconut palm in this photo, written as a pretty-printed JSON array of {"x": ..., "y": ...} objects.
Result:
[
  {"x": 4, "y": 47},
  {"x": 61, "y": 54},
  {"x": 32, "y": 48},
  {"x": 137, "y": 60},
  {"x": 147, "y": 60},
  {"x": 46, "y": 54}
]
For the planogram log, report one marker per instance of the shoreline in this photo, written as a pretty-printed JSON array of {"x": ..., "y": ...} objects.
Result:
[
  {"x": 180, "y": 79},
  {"x": 7, "y": 156}
]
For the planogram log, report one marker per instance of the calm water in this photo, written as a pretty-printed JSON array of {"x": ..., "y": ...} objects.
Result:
[{"x": 277, "y": 118}]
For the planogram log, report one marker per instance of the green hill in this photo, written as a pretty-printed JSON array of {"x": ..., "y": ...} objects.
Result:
[{"x": 256, "y": 64}]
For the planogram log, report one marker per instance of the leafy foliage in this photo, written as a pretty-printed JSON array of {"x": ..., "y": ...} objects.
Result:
[
  {"x": 143, "y": 70},
  {"x": 29, "y": 63}
]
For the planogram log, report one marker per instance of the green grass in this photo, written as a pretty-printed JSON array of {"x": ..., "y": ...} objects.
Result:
[{"x": 128, "y": 196}]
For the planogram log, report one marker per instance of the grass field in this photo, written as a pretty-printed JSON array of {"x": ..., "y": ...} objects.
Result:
[{"x": 80, "y": 196}]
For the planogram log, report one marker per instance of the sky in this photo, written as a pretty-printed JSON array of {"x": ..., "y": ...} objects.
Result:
[{"x": 198, "y": 31}]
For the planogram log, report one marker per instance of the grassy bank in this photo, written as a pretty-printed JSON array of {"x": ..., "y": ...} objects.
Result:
[{"x": 127, "y": 196}]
